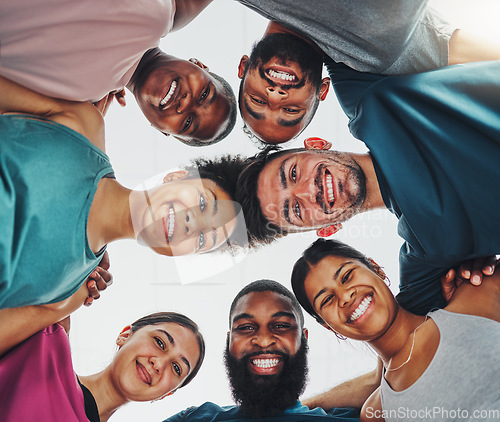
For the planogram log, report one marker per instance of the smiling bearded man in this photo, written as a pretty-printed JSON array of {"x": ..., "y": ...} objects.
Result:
[{"x": 266, "y": 362}]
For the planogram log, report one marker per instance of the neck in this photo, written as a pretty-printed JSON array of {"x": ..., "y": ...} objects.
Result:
[
  {"x": 109, "y": 217},
  {"x": 275, "y": 27},
  {"x": 374, "y": 198},
  {"x": 394, "y": 339},
  {"x": 107, "y": 398},
  {"x": 149, "y": 62}
]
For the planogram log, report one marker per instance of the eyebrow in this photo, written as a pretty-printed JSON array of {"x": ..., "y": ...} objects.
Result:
[
  {"x": 242, "y": 316},
  {"x": 172, "y": 342},
  {"x": 289, "y": 123},
  {"x": 283, "y": 182},
  {"x": 335, "y": 276},
  {"x": 284, "y": 314},
  {"x": 215, "y": 208},
  {"x": 257, "y": 116}
]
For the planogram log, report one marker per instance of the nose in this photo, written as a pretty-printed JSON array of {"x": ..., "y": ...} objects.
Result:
[
  {"x": 156, "y": 364},
  {"x": 306, "y": 190},
  {"x": 264, "y": 339},
  {"x": 184, "y": 103},
  {"x": 346, "y": 297},
  {"x": 196, "y": 221},
  {"x": 275, "y": 93}
]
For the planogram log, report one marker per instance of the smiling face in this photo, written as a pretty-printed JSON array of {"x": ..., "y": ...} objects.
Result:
[
  {"x": 264, "y": 331},
  {"x": 154, "y": 360},
  {"x": 281, "y": 87},
  {"x": 351, "y": 299},
  {"x": 183, "y": 99},
  {"x": 184, "y": 217},
  {"x": 311, "y": 189}
]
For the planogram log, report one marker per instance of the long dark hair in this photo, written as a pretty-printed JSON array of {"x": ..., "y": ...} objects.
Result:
[
  {"x": 320, "y": 249},
  {"x": 179, "y": 319}
]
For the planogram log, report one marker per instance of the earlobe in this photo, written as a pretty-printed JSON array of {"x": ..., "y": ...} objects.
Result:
[
  {"x": 198, "y": 63},
  {"x": 175, "y": 175},
  {"x": 329, "y": 231},
  {"x": 242, "y": 66},
  {"x": 378, "y": 270},
  {"x": 325, "y": 87},
  {"x": 317, "y": 143}
]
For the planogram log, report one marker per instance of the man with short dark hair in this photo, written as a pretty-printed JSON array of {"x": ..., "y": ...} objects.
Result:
[
  {"x": 279, "y": 96},
  {"x": 434, "y": 153},
  {"x": 266, "y": 362}
]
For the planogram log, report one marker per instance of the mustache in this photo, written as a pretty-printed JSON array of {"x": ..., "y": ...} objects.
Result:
[
  {"x": 318, "y": 182},
  {"x": 265, "y": 352}
]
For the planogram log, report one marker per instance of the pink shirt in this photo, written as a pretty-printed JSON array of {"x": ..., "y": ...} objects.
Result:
[
  {"x": 79, "y": 49},
  {"x": 37, "y": 382}
]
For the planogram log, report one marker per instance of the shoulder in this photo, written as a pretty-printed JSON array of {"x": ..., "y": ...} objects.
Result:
[
  {"x": 84, "y": 118},
  {"x": 372, "y": 409},
  {"x": 207, "y": 411}
]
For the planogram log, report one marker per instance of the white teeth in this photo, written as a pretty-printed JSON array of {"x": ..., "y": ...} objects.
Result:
[
  {"x": 329, "y": 188},
  {"x": 265, "y": 363},
  {"x": 281, "y": 75},
  {"x": 361, "y": 309},
  {"x": 167, "y": 97},
  {"x": 171, "y": 223}
]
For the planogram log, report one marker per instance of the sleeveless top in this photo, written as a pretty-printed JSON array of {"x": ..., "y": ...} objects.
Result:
[
  {"x": 48, "y": 178},
  {"x": 461, "y": 383}
]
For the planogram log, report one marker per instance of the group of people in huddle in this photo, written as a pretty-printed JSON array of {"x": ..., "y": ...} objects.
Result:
[{"x": 421, "y": 94}]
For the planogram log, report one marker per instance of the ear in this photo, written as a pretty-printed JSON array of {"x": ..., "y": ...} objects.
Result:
[
  {"x": 123, "y": 336},
  {"x": 317, "y": 143},
  {"x": 305, "y": 331},
  {"x": 175, "y": 175},
  {"x": 199, "y": 64},
  {"x": 242, "y": 65},
  {"x": 325, "y": 87},
  {"x": 329, "y": 231},
  {"x": 378, "y": 269}
]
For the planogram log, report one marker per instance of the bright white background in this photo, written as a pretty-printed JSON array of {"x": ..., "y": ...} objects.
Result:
[{"x": 146, "y": 283}]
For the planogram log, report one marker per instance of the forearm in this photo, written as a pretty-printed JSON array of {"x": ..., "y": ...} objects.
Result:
[
  {"x": 18, "y": 324},
  {"x": 352, "y": 393},
  {"x": 17, "y": 98},
  {"x": 187, "y": 10},
  {"x": 466, "y": 47}
]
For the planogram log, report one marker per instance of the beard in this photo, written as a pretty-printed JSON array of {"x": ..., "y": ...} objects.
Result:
[
  {"x": 267, "y": 395},
  {"x": 287, "y": 48}
]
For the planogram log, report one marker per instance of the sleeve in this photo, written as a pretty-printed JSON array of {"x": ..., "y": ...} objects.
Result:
[
  {"x": 346, "y": 414},
  {"x": 181, "y": 416}
]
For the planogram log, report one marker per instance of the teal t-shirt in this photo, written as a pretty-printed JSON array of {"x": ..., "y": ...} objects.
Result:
[
  {"x": 48, "y": 177},
  {"x": 209, "y": 412},
  {"x": 435, "y": 142}
]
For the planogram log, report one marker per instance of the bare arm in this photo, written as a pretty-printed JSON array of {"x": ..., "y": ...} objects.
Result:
[
  {"x": 83, "y": 118},
  {"x": 187, "y": 10},
  {"x": 18, "y": 324},
  {"x": 352, "y": 393},
  {"x": 466, "y": 47}
]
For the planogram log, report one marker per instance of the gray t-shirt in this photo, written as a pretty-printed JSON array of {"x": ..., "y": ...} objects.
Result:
[
  {"x": 389, "y": 37},
  {"x": 461, "y": 383}
]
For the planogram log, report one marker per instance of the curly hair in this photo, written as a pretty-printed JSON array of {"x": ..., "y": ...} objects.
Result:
[{"x": 224, "y": 171}]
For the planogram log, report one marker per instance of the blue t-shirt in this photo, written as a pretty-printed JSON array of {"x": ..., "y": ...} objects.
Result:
[
  {"x": 48, "y": 178},
  {"x": 210, "y": 412},
  {"x": 435, "y": 142}
]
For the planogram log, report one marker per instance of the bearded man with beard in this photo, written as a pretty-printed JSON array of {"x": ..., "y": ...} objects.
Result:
[{"x": 266, "y": 363}]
